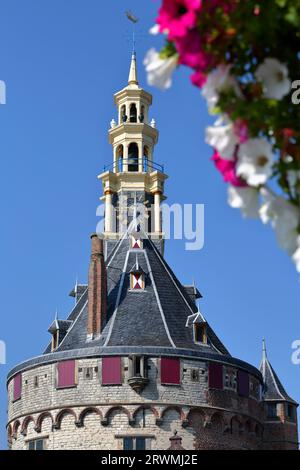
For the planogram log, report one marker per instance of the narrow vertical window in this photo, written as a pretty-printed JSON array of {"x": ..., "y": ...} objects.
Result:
[
  {"x": 133, "y": 113},
  {"x": 17, "y": 387},
  {"x": 200, "y": 333}
]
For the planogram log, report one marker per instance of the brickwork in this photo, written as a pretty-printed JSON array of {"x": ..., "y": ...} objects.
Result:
[{"x": 73, "y": 419}]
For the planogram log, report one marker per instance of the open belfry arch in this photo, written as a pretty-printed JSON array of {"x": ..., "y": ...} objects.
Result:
[{"x": 136, "y": 365}]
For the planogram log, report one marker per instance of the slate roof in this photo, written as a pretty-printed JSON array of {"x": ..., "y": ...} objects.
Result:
[
  {"x": 153, "y": 317},
  {"x": 273, "y": 388}
]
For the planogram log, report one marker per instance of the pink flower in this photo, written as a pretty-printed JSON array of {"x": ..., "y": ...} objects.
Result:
[
  {"x": 228, "y": 169},
  {"x": 240, "y": 129},
  {"x": 198, "y": 78},
  {"x": 178, "y": 16},
  {"x": 190, "y": 51}
]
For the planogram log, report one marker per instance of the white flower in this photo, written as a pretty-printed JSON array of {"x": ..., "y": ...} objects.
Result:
[
  {"x": 159, "y": 71},
  {"x": 217, "y": 81},
  {"x": 154, "y": 30},
  {"x": 275, "y": 79},
  {"x": 296, "y": 256},
  {"x": 284, "y": 218},
  {"x": 245, "y": 199},
  {"x": 221, "y": 137},
  {"x": 255, "y": 160},
  {"x": 293, "y": 177},
  {"x": 2, "y": 92}
]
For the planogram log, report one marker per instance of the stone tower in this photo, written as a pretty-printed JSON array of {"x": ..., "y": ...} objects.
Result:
[{"x": 135, "y": 362}]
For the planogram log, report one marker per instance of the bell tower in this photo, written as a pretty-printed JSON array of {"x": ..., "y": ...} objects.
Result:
[{"x": 133, "y": 184}]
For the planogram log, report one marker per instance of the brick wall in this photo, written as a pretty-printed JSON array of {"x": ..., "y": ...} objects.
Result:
[{"x": 91, "y": 416}]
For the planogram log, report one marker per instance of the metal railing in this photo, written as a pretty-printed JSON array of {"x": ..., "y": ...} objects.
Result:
[{"x": 133, "y": 164}]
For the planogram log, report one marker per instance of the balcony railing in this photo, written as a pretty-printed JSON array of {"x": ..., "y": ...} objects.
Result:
[{"x": 132, "y": 164}]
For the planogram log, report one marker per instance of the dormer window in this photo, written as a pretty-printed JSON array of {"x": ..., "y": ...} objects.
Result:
[
  {"x": 55, "y": 340},
  {"x": 136, "y": 243},
  {"x": 137, "y": 281},
  {"x": 58, "y": 330},
  {"x": 200, "y": 335},
  {"x": 137, "y": 277}
]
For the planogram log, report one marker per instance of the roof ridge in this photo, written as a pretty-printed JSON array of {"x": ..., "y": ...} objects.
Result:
[
  {"x": 158, "y": 300},
  {"x": 117, "y": 300},
  {"x": 167, "y": 268}
]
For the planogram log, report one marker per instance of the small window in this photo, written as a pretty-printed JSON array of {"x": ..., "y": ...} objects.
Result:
[
  {"x": 128, "y": 443},
  {"x": 133, "y": 157},
  {"x": 136, "y": 243},
  {"x": 36, "y": 381},
  {"x": 272, "y": 410},
  {"x": 137, "y": 281},
  {"x": 243, "y": 383},
  {"x": 138, "y": 366},
  {"x": 133, "y": 113},
  {"x": 290, "y": 412},
  {"x": 88, "y": 373},
  {"x": 123, "y": 114},
  {"x": 55, "y": 340},
  {"x": 170, "y": 371},
  {"x": 142, "y": 115},
  {"x": 66, "y": 374},
  {"x": 195, "y": 375},
  {"x": 111, "y": 371},
  {"x": 136, "y": 443},
  {"x": 200, "y": 333},
  {"x": 254, "y": 388},
  {"x": 37, "y": 444},
  {"x": 215, "y": 376},
  {"x": 230, "y": 379},
  {"x": 17, "y": 384}
]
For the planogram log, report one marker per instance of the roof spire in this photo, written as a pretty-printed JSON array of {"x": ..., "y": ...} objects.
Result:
[
  {"x": 132, "y": 79},
  {"x": 264, "y": 349},
  {"x": 273, "y": 388}
]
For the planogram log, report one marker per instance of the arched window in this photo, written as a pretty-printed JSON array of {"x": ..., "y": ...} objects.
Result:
[
  {"x": 142, "y": 115},
  {"x": 133, "y": 113},
  {"x": 133, "y": 157},
  {"x": 123, "y": 114},
  {"x": 146, "y": 158},
  {"x": 119, "y": 155}
]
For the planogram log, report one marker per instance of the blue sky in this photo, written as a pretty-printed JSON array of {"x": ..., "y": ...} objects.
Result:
[{"x": 62, "y": 62}]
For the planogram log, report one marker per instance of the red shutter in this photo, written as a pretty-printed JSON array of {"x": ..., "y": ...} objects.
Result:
[
  {"x": 66, "y": 374},
  {"x": 17, "y": 387},
  {"x": 170, "y": 371},
  {"x": 215, "y": 376},
  {"x": 243, "y": 383},
  {"x": 111, "y": 371}
]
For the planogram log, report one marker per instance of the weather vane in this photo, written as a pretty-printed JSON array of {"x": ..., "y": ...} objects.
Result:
[{"x": 131, "y": 17}]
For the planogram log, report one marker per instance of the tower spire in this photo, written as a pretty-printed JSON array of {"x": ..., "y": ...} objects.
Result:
[
  {"x": 264, "y": 349},
  {"x": 132, "y": 79}
]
